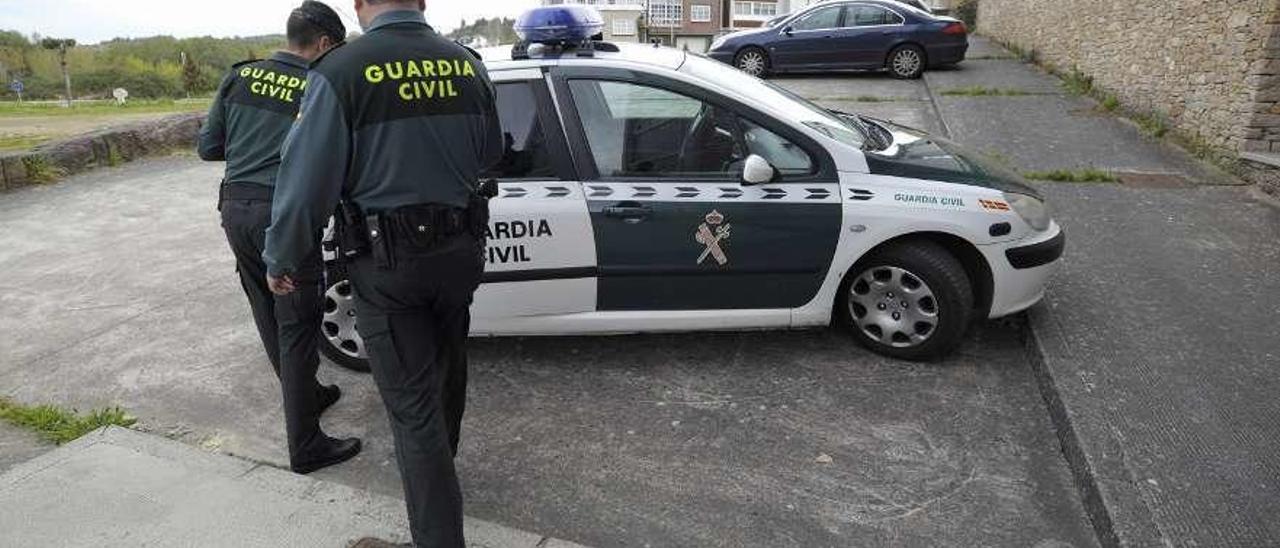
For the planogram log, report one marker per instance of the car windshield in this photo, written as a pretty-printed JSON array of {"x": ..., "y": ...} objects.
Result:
[
  {"x": 844, "y": 129},
  {"x": 776, "y": 20}
]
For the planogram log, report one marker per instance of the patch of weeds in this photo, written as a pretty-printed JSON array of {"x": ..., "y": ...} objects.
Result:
[
  {"x": 979, "y": 91},
  {"x": 1088, "y": 175},
  {"x": 1151, "y": 124},
  {"x": 39, "y": 169},
  {"x": 59, "y": 425},
  {"x": 113, "y": 156},
  {"x": 1110, "y": 103},
  {"x": 1076, "y": 82}
]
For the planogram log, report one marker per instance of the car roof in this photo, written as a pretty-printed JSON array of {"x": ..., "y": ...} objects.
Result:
[{"x": 499, "y": 58}]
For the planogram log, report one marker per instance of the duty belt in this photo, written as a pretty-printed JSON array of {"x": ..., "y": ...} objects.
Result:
[
  {"x": 244, "y": 191},
  {"x": 413, "y": 228}
]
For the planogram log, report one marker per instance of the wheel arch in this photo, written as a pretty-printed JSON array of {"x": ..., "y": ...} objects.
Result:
[{"x": 975, "y": 265}]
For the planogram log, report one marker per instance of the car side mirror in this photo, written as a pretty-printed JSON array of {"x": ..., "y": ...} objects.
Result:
[
  {"x": 758, "y": 171},
  {"x": 787, "y": 30}
]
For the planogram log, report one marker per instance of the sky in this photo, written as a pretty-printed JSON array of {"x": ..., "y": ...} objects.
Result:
[{"x": 92, "y": 21}]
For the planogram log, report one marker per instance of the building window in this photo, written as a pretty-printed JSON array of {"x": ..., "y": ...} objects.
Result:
[
  {"x": 700, "y": 13},
  {"x": 755, "y": 10},
  {"x": 665, "y": 13},
  {"x": 624, "y": 27}
]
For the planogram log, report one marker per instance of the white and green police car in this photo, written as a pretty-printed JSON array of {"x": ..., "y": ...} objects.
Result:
[{"x": 647, "y": 189}]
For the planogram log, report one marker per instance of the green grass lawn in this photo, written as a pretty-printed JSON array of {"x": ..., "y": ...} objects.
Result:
[{"x": 102, "y": 108}]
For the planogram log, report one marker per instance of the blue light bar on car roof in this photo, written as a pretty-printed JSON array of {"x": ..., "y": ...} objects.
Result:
[{"x": 559, "y": 25}]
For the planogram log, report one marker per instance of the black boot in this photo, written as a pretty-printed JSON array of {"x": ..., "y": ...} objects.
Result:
[
  {"x": 332, "y": 451},
  {"x": 328, "y": 396}
]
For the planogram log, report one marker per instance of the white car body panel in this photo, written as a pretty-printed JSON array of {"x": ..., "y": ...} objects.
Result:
[{"x": 876, "y": 209}]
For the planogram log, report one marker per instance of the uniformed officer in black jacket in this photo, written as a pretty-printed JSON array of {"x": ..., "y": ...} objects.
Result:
[
  {"x": 250, "y": 117},
  {"x": 400, "y": 124}
]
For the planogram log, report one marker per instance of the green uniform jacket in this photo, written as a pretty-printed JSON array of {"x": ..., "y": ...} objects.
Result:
[
  {"x": 400, "y": 116},
  {"x": 251, "y": 115}
]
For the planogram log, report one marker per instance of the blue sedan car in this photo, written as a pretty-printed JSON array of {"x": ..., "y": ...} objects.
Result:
[{"x": 848, "y": 35}]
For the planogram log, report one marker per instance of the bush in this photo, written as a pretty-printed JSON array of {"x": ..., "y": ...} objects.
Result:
[{"x": 967, "y": 11}]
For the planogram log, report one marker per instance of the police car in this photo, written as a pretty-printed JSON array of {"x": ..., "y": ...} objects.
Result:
[{"x": 648, "y": 189}]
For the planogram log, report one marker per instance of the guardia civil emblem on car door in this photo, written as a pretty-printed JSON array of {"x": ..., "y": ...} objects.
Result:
[{"x": 711, "y": 234}]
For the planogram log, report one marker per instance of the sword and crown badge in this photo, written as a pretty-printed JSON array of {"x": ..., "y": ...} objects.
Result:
[{"x": 711, "y": 234}]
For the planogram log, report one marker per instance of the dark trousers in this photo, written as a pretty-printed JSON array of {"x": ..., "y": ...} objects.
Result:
[
  {"x": 289, "y": 326},
  {"x": 414, "y": 319}
]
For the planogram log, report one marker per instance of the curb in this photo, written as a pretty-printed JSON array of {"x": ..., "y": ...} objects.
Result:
[
  {"x": 361, "y": 513},
  {"x": 1094, "y": 452},
  {"x": 103, "y": 148}
]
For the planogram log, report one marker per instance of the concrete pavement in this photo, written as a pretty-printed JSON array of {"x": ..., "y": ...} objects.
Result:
[
  {"x": 117, "y": 488},
  {"x": 118, "y": 289}
]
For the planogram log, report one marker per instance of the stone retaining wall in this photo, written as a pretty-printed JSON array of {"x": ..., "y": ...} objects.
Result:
[
  {"x": 1211, "y": 67},
  {"x": 103, "y": 148}
]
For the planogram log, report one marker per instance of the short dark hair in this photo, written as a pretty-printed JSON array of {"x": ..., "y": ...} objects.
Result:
[{"x": 312, "y": 20}]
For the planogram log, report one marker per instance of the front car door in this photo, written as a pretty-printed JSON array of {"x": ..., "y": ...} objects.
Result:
[
  {"x": 540, "y": 258},
  {"x": 807, "y": 41},
  {"x": 674, "y": 227}
]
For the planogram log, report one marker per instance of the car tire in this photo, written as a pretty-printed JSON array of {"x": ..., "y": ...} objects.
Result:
[
  {"x": 936, "y": 290},
  {"x": 339, "y": 340},
  {"x": 905, "y": 62},
  {"x": 752, "y": 60}
]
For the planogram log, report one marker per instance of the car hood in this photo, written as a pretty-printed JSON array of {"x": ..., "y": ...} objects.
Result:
[{"x": 915, "y": 154}]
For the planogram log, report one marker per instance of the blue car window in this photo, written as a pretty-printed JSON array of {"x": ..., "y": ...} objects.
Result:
[
  {"x": 866, "y": 16},
  {"x": 826, "y": 18}
]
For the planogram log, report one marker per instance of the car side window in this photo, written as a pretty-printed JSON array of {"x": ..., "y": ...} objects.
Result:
[
  {"x": 784, "y": 155},
  {"x": 634, "y": 130},
  {"x": 525, "y": 154},
  {"x": 866, "y": 16},
  {"x": 826, "y": 18}
]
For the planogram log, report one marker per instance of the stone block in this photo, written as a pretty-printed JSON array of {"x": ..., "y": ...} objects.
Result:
[
  {"x": 1255, "y": 145},
  {"x": 15, "y": 170}
]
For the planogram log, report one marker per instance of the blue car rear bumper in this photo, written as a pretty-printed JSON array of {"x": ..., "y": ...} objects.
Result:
[{"x": 948, "y": 54}]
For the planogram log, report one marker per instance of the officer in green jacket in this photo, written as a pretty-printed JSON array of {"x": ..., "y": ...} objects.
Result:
[
  {"x": 250, "y": 117},
  {"x": 400, "y": 124}
]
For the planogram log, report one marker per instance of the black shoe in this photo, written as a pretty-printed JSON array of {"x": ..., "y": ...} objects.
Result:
[
  {"x": 335, "y": 451},
  {"x": 329, "y": 395},
  {"x": 369, "y": 542}
]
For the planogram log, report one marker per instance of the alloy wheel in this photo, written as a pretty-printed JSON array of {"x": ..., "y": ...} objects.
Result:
[
  {"x": 751, "y": 62},
  {"x": 906, "y": 62}
]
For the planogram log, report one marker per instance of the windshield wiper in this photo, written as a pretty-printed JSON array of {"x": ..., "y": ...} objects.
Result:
[{"x": 872, "y": 136}]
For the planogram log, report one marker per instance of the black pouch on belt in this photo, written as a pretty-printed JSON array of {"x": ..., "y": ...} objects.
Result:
[{"x": 380, "y": 242}]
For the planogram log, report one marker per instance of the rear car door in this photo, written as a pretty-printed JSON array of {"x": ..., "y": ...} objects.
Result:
[
  {"x": 807, "y": 42},
  {"x": 540, "y": 258},
  {"x": 867, "y": 33},
  {"x": 674, "y": 227}
]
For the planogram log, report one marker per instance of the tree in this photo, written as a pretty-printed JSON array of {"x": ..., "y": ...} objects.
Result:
[
  {"x": 61, "y": 45},
  {"x": 191, "y": 77}
]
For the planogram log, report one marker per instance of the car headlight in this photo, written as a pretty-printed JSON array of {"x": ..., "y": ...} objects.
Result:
[
  {"x": 1032, "y": 210},
  {"x": 718, "y": 43}
]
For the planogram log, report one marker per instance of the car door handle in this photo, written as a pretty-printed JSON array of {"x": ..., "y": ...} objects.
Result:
[{"x": 628, "y": 211}]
